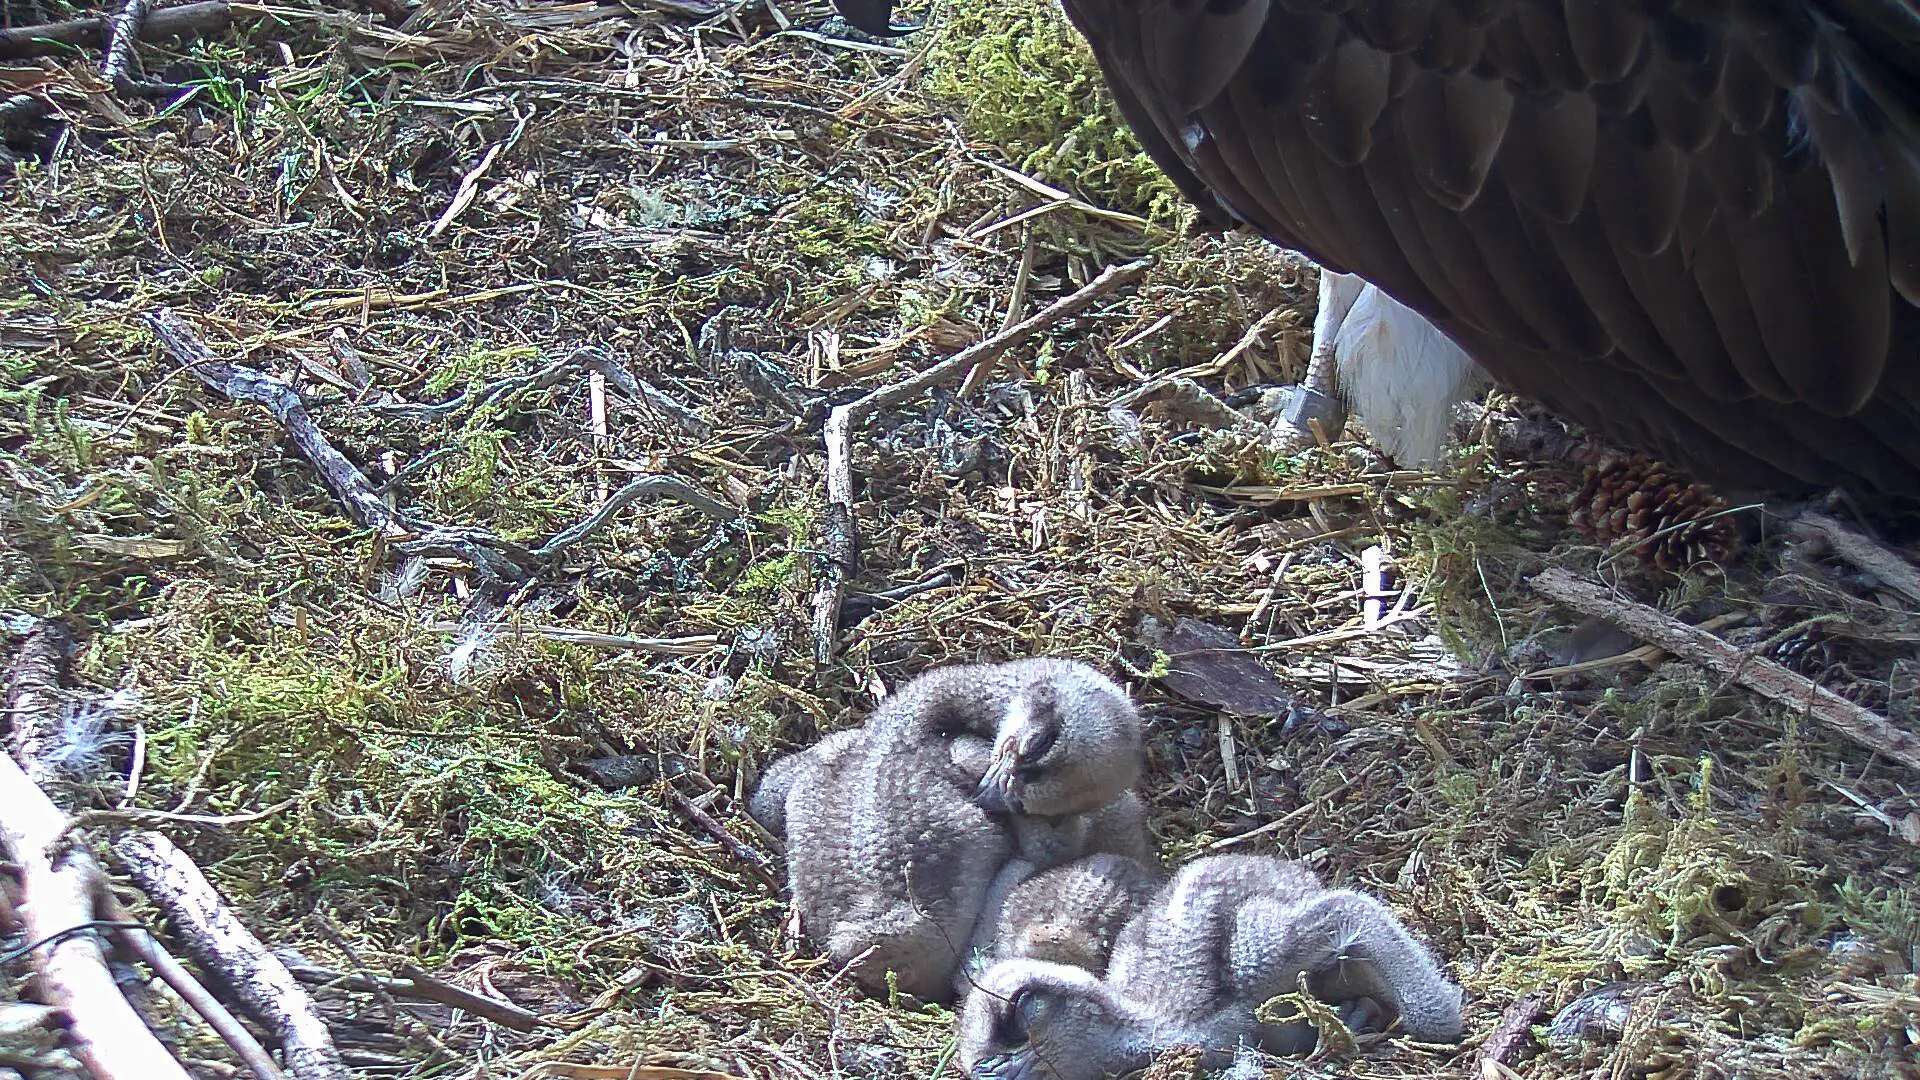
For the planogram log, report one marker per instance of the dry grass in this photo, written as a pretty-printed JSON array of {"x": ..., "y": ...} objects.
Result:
[{"x": 640, "y": 181}]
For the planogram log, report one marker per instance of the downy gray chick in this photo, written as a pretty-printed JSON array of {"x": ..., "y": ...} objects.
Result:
[
  {"x": 1070, "y": 914},
  {"x": 1220, "y": 939},
  {"x": 896, "y": 834}
]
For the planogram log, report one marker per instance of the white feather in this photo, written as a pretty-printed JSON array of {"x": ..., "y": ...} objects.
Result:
[{"x": 1401, "y": 376}]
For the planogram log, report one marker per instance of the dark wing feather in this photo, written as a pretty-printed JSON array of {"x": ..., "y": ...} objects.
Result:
[{"x": 1693, "y": 226}]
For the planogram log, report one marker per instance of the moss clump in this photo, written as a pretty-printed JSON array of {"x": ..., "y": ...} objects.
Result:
[{"x": 1024, "y": 81}]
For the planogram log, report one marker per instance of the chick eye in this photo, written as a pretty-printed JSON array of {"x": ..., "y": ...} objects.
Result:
[
  {"x": 1013, "y": 1026},
  {"x": 1040, "y": 743}
]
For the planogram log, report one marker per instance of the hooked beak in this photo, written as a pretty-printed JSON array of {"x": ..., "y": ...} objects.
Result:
[
  {"x": 1012, "y": 1065},
  {"x": 999, "y": 790},
  {"x": 873, "y": 16}
]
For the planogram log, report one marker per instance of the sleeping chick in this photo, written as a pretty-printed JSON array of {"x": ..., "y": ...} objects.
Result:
[
  {"x": 1220, "y": 939},
  {"x": 896, "y": 833},
  {"x": 1070, "y": 914},
  {"x": 804, "y": 769}
]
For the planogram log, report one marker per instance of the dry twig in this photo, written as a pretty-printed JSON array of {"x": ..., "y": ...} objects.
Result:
[
  {"x": 842, "y": 536},
  {"x": 344, "y": 479},
  {"x": 415, "y": 985},
  {"x": 221, "y": 943},
  {"x": 1756, "y": 673},
  {"x": 143, "y": 945}
]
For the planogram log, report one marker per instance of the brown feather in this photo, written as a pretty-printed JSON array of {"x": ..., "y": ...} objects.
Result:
[
  {"x": 1739, "y": 174},
  {"x": 1625, "y": 95},
  {"x": 1824, "y": 321},
  {"x": 1606, "y": 37},
  {"x": 1538, "y": 287},
  {"x": 1450, "y": 128},
  {"x": 1547, "y": 156},
  {"x": 1396, "y": 26},
  {"x": 1682, "y": 119},
  {"x": 1748, "y": 93},
  {"x": 1343, "y": 100},
  {"x": 1639, "y": 191},
  {"x": 1544, "y": 29}
]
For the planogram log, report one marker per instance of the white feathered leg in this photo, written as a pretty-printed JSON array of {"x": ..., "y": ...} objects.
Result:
[{"x": 1402, "y": 377}]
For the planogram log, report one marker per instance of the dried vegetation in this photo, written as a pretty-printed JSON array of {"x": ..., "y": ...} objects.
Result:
[{"x": 754, "y": 220}]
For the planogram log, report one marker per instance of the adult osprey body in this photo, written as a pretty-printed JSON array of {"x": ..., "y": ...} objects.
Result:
[{"x": 1693, "y": 226}]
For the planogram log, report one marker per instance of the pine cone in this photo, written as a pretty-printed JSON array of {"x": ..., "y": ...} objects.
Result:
[{"x": 1670, "y": 522}]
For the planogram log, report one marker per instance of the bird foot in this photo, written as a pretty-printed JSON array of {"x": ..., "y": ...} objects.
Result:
[{"x": 1305, "y": 409}]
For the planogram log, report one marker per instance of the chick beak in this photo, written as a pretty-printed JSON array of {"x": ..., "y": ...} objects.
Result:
[
  {"x": 1013, "y": 1065},
  {"x": 873, "y": 16},
  {"x": 999, "y": 790}
]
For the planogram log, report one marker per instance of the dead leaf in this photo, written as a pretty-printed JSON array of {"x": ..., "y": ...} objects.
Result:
[{"x": 1208, "y": 664}]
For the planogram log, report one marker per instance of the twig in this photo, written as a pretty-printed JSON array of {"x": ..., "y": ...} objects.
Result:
[
  {"x": 841, "y": 539},
  {"x": 1892, "y": 570},
  {"x": 671, "y": 487},
  {"x": 415, "y": 986},
  {"x": 1503, "y": 1047},
  {"x": 1756, "y": 673},
  {"x": 137, "y": 941},
  {"x": 691, "y": 645},
  {"x": 220, "y": 943},
  {"x": 122, "y": 31},
  {"x": 755, "y": 862},
  {"x": 203, "y": 18},
  {"x": 56, "y": 900},
  {"x": 345, "y": 480}
]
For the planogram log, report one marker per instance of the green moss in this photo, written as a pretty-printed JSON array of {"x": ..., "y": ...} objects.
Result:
[{"x": 1024, "y": 80}]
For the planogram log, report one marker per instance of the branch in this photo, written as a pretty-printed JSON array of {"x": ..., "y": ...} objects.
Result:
[
  {"x": 143, "y": 945},
  {"x": 1762, "y": 676},
  {"x": 416, "y": 986},
  {"x": 206, "y": 17},
  {"x": 56, "y": 907},
  {"x": 841, "y": 539},
  {"x": 220, "y": 943},
  {"x": 1892, "y": 570},
  {"x": 668, "y": 486},
  {"x": 345, "y": 480},
  {"x": 34, "y": 702}
]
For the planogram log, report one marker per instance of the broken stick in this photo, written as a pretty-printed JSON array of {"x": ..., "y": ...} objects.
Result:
[
  {"x": 1756, "y": 673},
  {"x": 842, "y": 537},
  {"x": 220, "y": 943}
]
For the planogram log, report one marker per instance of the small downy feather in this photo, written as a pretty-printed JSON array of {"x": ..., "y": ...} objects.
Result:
[{"x": 1401, "y": 376}]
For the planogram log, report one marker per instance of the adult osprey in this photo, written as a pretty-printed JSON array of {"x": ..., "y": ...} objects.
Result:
[{"x": 1691, "y": 225}]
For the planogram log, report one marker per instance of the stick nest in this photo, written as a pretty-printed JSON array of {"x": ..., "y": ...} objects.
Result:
[{"x": 414, "y": 213}]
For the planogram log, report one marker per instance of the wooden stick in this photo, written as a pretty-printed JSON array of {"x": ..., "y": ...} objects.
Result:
[
  {"x": 1892, "y": 570},
  {"x": 414, "y": 986},
  {"x": 1756, "y": 673},
  {"x": 203, "y": 18},
  {"x": 342, "y": 477},
  {"x": 755, "y": 862},
  {"x": 143, "y": 945},
  {"x": 220, "y": 943},
  {"x": 33, "y": 698},
  {"x": 56, "y": 893},
  {"x": 841, "y": 536}
]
